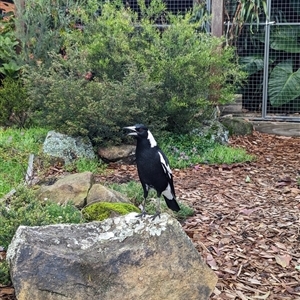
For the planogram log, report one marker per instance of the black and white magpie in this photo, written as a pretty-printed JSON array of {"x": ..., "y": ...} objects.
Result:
[{"x": 153, "y": 168}]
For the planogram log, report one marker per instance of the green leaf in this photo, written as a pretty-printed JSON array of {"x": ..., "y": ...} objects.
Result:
[
  {"x": 252, "y": 64},
  {"x": 286, "y": 39},
  {"x": 284, "y": 84},
  {"x": 264, "y": 3}
]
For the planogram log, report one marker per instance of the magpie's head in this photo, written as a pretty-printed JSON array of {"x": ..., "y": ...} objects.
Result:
[{"x": 140, "y": 131}]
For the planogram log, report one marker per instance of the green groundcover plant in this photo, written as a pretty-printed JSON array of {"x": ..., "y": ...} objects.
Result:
[{"x": 25, "y": 209}]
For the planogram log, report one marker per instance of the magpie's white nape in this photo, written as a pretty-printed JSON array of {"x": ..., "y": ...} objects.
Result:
[{"x": 153, "y": 168}]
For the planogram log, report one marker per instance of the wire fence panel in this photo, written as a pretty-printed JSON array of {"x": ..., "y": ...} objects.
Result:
[
  {"x": 269, "y": 50},
  {"x": 284, "y": 72},
  {"x": 283, "y": 90}
]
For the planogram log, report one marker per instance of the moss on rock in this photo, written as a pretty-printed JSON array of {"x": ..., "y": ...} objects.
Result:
[{"x": 103, "y": 210}]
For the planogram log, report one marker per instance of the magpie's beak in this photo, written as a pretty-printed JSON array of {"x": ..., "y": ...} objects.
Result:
[{"x": 132, "y": 128}]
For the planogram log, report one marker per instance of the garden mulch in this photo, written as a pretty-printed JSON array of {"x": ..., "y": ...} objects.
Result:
[{"x": 246, "y": 224}]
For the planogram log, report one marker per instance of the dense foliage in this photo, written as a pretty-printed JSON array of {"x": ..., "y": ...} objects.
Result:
[
  {"x": 14, "y": 105},
  {"x": 118, "y": 68},
  {"x": 8, "y": 43}
]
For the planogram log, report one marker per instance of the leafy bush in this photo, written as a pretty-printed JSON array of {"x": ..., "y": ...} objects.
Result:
[
  {"x": 25, "y": 209},
  {"x": 8, "y": 43},
  {"x": 14, "y": 107},
  {"x": 120, "y": 69},
  {"x": 98, "y": 108},
  {"x": 40, "y": 26}
]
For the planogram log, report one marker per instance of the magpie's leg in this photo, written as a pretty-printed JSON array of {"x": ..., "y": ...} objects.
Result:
[
  {"x": 157, "y": 213},
  {"x": 143, "y": 213},
  {"x": 146, "y": 190}
]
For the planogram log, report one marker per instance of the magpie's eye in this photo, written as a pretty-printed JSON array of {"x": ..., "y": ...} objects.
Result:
[{"x": 140, "y": 130}]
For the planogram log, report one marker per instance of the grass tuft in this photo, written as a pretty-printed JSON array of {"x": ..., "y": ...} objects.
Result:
[
  {"x": 226, "y": 155},
  {"x": 187, "y": 150},
  {"x": 15, "y": 147},
  {"x": 84, "y": 164}
]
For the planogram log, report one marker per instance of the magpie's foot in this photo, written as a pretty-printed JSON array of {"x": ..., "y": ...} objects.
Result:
[
  {"x": 141, "y": 215},
  {"x": 157, "y": 214}
]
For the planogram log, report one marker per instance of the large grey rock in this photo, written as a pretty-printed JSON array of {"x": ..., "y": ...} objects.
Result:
[
  {"x": 101, "y": 193},
  {"x": 66, "y": 147},
  {"x": 124, "y": 258},
  {"x": 74, "y": 187}
]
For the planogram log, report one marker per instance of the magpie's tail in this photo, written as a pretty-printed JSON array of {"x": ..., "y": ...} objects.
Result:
[{"x": 172, "y": 204}]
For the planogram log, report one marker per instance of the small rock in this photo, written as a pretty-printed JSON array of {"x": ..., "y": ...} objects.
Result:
[
  {"x": 124, "y": 258},
  {"x": 116, "y": 153},
  {"x": 237, "y": 126}
]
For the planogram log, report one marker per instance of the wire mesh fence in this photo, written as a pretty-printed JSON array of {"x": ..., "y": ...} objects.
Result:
[
  {"x": 269, "y": 49},
  {"x": 283, "y": 55},
  {"x": 174, "y": 6}
]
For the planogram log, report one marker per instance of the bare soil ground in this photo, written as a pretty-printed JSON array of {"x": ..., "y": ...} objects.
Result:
[{"x": 247, "y": 218}]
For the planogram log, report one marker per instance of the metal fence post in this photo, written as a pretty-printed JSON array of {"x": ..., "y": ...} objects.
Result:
[{"x": 266, "y": 61}]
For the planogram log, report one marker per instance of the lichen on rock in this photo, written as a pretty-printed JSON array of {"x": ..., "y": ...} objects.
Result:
[{"x": 66, "y": 147}]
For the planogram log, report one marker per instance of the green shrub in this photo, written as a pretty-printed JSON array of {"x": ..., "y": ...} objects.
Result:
[
  {"x": 14, "y": 106},
  {"x": 221, "y": 154},
  {"x": 190, "y": 149},
  {"x": 98, "y": 108},
  {"x": 83, "y": 164},
  {"x": 40, "y": 27},
  {"x": 116, "y": 73},
  {"x": 8, "y": 43},
  {"x": 25, "y": 209},
  {"x": 4, "y": 273}
]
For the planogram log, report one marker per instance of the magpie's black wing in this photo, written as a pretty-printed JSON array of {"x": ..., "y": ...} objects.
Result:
[{"x": 167, "y": 170}]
